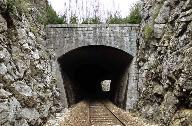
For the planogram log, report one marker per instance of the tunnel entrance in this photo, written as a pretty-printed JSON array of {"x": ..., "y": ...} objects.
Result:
[{"x": 83, "y": 69}]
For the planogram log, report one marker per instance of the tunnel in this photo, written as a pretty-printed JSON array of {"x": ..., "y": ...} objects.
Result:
[{"x": 84, "y": 68}]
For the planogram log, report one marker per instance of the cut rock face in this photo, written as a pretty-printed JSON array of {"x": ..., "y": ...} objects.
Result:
[
  {"x": 167, "y": 81},
  {"x": 24, "y": 65},
  {"x": 163, "y": 15}
]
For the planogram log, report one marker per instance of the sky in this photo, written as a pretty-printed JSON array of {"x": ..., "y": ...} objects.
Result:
[{"x": 87, "y": 8}]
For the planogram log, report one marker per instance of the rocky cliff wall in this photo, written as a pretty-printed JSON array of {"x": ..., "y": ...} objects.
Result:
[
  {"x": 28, "y": 94},
  {"x": 165, "y": 62}
]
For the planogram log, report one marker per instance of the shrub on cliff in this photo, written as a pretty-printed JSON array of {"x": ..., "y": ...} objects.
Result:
[
  {"x": 95, "y": 20},
  {"x": 52, "y": 17},
  {"x": 114, "y": 19},
  {"x": 49, "y": 16},
  {"x": 134, "y": 16},
  {"x": 73, "y": 19},
  {"x": 17, "y": 7},
  {"x": 148, "y": 32}
]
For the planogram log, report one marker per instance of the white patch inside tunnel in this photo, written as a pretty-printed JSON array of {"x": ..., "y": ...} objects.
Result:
[{"x": 106, "y": 85}]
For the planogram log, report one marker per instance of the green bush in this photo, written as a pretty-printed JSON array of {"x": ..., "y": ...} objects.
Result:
[
  {"x": 134, "y": 16},
  {"x": 17, "y": 7},
  {"x": 95, "y": 20},
  {"x": 52, "y": 17},
  {"x": 148, "y": 32},
  {"x": 73, "y": 19},
  {"x": 114, "y": 19}
]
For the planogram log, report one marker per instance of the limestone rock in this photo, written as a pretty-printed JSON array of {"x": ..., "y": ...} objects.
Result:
[
  {"x": 22, "y": 35},
  {"x": 44, "y": 111},
  {"x": 158, "y": 30},
  {"x": 3, "y": 5},
  {"x": 182, "y": 117},
  {"x": 22, "y": 88},
  {"x": 149, "y": 110},
  {"x": 21, "y": 67},
  {"x": 35, "y": 54},
  {"x": 31, "y": 35},
  {"x": 163, "y": 15},
  {"x": 145, "y": 13},
  {"x": 3, "y": 24},
  {"x": 168, "y": 107},
  {"x": 8, "y": 79},
  {"x": 4, "y": 94},
  {"x": 26, "y": 47},
  {"x": 181, "y": 29},
  {"x": 2, "y": 56},
  {"x": 4, "y": 112},
  {"x": 141, "y": 63},
  {"x": 186, "y": 16},
  {"x": 8, "y": 110},
  {"x": 188, "y": 5},
  {"x": 21, "y": 122},
  {"x": 14, "y": 107},
  {"x": 158, "y": 89},
  {"x": 3, "y": 69},
  {"x": 31, "y": 115},
  {"x": 173, "y": 3}
]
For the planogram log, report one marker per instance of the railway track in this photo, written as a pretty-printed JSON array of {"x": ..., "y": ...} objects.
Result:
[{"x": 100, "y": 115}]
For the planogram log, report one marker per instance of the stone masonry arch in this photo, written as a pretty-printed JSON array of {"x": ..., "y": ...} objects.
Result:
[{"x": 67, "y": 38}]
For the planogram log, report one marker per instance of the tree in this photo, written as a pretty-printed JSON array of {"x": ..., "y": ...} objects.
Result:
[
  {"x": 134, "y": 16},
  {"x": 114, "y": 19},
  {"x": 73, "y": 19},
  {"x": 95, "y": 20},
  {"x": 52, "y": 17}
]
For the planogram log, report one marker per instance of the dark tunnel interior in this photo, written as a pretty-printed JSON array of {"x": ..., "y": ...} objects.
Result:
[{"x": 84, "y": 68}]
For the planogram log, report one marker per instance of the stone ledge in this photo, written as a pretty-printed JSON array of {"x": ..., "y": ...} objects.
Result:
[{"x": 90, "y": 25}]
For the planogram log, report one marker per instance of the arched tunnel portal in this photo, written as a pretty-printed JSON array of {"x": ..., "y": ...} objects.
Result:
[{"x": 84, "y": 68}]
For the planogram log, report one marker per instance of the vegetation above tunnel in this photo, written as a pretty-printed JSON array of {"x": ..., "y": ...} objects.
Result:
[{"x": 134, "y": 17}]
